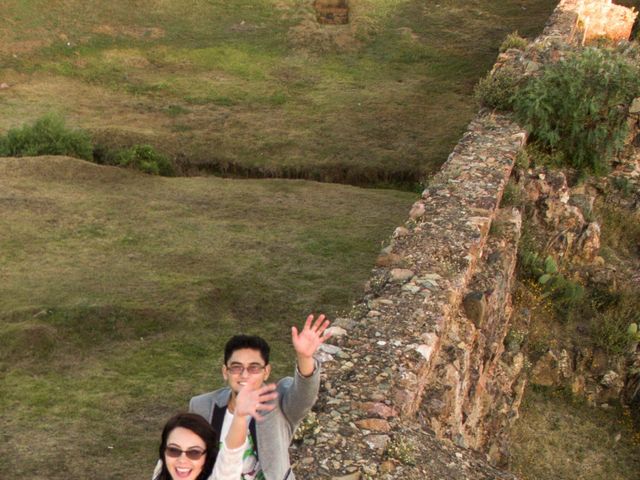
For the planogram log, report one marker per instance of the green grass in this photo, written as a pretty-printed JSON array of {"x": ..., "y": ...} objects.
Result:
[
  {"x": 264, "y": 91},
  {"x": 120, "y": 289}
]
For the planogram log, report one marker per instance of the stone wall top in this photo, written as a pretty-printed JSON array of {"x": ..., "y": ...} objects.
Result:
[{"x": 376, "y": 373}]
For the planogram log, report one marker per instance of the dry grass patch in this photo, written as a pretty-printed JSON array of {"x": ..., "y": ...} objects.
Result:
[{"x": 561, "y": 439}]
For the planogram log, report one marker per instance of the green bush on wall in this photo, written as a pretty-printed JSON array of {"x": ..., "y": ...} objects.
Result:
[
  {"x": 578, "y": 107},
  {"x": 497, "y": 90},
  {"x": 513, "y": 40},
  {"x": 46, "y": 136}
]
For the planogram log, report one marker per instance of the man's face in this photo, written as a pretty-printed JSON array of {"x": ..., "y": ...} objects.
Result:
[{"x": 245, "y": 361}]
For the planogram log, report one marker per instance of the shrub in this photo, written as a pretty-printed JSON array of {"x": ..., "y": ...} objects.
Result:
[
  {"x": 620, "y": 228},
  {"x": 513, "y": 40},
  {"x": 497, "y": 89},
  {"x": 611, "y": 324},
  {"x": 622, "y": 185},
  {"x": 539, "y": 156},
  {"x": 578, "y": 107},
  {"x": 46, "y": 136},
  {"x": 522, "y": 159},
  {"x": 145, "y": 159},
  {"x": 566, "y": 295},
  {"x": 513, "y": 195},
  {"x": 401, "y": 450}
]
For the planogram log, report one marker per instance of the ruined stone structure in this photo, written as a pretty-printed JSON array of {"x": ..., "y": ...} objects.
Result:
[
  {"x": 598, "y": 18},
  {"x": 422, "y": 356},
  {"x": 332, "y": 12}
]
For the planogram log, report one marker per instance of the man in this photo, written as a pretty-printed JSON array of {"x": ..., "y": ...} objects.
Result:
[{"x": 246, "y": 364}]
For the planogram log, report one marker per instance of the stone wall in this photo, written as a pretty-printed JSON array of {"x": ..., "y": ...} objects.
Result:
[
  {"x": 389, "y": 353},
  {"x": 421, "y": 357}
]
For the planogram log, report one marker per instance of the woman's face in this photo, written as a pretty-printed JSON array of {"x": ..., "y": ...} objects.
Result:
[{"x": 182, "y": 467}]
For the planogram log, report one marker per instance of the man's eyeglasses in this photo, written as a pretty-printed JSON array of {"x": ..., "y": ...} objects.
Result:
[
  {"x": 253, "y": 369},
  {"x": 192, "y": 453}
]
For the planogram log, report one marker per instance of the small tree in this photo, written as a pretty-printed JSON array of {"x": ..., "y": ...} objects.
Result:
[{"x": 578, "y": 107}]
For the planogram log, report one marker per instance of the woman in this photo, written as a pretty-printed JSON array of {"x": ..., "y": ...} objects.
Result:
[{"x": 188, "y": 449}]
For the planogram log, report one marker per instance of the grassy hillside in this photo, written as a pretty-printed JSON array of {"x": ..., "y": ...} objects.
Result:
[
  {"x": 119, "y": 290},
  {"x": 256, "y": 87}
]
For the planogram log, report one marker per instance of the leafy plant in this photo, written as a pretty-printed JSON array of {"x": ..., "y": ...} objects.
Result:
[
  {"x": 46, "y": 136},
  {"x": 632, "y": 331},
  {"x": 522, "y": 159},
  {"x": 615, "y": 320},
  {"x": 622, "y": 185},
  {"x": 550, "y": 269},
  {"x": 146, "y": 159},
  {"x": 513, "y": 195},
  {"x": 565, "y": 294},
  {"x": 534, "y": 265},
  {"x": 578, "y": 107},
  {"x": 401, "y": 450},
  {"x": 513, "y": 40}
]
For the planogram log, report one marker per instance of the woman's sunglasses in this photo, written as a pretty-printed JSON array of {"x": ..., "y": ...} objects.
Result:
[{"x": 175, "y": 452}]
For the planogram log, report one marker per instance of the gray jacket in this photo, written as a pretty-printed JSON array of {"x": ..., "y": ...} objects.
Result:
[{"x": 273, "y": 435}]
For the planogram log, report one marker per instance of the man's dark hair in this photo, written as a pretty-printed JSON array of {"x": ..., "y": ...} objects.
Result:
[
  {"x": 252, "y": 342},
  {"x": 200, "y": 427}
]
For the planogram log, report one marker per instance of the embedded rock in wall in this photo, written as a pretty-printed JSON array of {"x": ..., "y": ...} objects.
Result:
[
  {"x": 545, "y": 372},
  {"x": 587, "y": 245}
]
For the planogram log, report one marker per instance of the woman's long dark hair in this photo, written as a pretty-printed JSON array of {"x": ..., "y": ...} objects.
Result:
[{"x": 200, "y": 427}]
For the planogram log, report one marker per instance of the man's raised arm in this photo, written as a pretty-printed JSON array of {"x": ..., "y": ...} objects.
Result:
[{"x": 308, "y": 341}]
